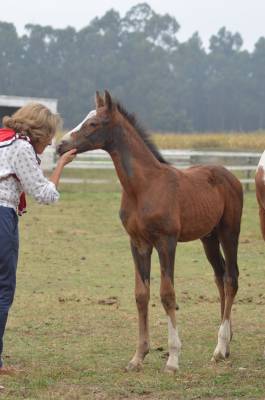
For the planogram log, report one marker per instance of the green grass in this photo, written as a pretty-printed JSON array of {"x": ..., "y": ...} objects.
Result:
[{"x": 75, "y": 255}]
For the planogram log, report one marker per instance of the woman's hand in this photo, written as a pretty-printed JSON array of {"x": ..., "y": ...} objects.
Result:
[{"x": 67, "y": 157}]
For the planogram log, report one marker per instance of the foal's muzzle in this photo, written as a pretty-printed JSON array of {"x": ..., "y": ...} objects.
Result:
[{"x": 63, "y": 147}]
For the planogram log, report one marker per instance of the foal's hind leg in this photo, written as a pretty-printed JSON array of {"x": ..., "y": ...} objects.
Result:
[
  {"x": 166, "y": 248},
  {"x": 229, "y": 242},
  {"x": 142, "y": 260},
  {"x": 211, "y": 246}
]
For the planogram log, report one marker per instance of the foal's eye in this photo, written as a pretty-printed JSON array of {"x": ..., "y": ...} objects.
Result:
[{"x": 93, "y": 124}]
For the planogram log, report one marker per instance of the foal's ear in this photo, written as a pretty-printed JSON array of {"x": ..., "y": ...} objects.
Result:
[
  {"x": 99, "y": 100},
  {"x": 108, "y": 100}
]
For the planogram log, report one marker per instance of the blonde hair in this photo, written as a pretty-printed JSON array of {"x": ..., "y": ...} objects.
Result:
[{"x": 34, "y": 120}]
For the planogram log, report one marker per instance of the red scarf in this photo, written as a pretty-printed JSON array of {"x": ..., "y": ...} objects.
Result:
[{"x": 7, "y": 137}]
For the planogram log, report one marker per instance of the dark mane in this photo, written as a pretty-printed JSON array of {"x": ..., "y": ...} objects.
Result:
[{"x": 131, "y": 118}]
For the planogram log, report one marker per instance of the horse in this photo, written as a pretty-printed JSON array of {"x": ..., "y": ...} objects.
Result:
[
  {"x": 260, "y": 192},
  {"x": 260, "y": 195},
  {"x": 161, "y": 206}
]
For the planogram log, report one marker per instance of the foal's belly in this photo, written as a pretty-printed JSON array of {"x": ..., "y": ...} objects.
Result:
[
  {"x": 199, "y": 220},
  {"x": 188, "y": 218},
  {"x": 151, "y": 230},
  {"x": 196, "y": 232}
]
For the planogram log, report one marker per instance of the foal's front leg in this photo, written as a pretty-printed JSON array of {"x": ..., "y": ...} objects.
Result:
[
  {"x": 142, "y": 259},
  {"x": 166, "y": 250}
]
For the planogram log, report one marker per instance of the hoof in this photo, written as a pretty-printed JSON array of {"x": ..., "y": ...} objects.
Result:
[
  {"x": 227, "y": 352},
  {"x": 218, "y": 356},
  {"x": 133, "y": 367},
  {"x": 170, "y": 370}
]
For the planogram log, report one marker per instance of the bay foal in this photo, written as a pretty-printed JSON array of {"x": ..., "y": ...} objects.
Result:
[{"x": 162, "y": 206}]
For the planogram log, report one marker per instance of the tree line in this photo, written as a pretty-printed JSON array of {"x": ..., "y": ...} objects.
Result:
[{"x": 171, "y": 85}]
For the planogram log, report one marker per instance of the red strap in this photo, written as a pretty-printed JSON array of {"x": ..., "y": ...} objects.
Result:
[
  {"x": 6, "y": 134},
  {"x": 22, "y": 207}
]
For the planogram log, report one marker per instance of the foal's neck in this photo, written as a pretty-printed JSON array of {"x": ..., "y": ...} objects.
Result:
[{"x": 135, "y": 164}]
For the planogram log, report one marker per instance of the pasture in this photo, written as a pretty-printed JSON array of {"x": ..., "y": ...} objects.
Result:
[{"x": 73, "y": 325}]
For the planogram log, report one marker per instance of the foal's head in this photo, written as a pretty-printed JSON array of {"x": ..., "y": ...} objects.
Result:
[
  {"x": 94, "y": 132},
  {"x": 101, "y": 128}
]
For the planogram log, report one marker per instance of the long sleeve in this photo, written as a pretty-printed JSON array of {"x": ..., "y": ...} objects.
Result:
[{"x": 30, "y": 175}]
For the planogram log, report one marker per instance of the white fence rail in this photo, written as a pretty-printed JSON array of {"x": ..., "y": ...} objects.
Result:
[{"x": 244, "y": 162}]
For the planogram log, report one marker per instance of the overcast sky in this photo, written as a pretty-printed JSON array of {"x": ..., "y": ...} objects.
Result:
[{"x": 204, "y": 16}]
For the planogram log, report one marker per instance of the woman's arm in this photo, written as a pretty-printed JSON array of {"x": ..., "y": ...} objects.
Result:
[
  {"x": 30, "y": 175},
  {"x": 66, "y": 158}
]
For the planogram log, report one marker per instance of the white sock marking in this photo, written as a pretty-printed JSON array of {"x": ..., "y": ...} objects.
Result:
[
  {"x": 224, "y": 337},
  {"x": 174, "y": 345}
]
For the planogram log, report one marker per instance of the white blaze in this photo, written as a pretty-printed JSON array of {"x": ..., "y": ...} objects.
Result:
[
  {"x": 261, "y": 164},
  {"x": 89, "y": 115},
  {"x": 262, "y": 161}
]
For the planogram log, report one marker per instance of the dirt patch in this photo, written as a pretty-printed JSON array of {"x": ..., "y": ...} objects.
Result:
[
  {"x": 259, "y": 301},
  {"x": 109, "y": 301}
]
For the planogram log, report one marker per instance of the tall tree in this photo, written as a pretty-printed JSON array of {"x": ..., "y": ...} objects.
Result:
[
  {"x": 258, "y": 77},
  {"x": 223, "y": 80},
  {"x": 172, "y": 86},
  {"x": 10, "y": 57}
]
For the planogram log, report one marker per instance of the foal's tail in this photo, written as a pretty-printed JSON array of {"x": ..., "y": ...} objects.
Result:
[{"x": 260, "y": 193}]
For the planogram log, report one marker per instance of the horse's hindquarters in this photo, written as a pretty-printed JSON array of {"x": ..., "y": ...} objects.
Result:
[{"x": 260, "y": 194}]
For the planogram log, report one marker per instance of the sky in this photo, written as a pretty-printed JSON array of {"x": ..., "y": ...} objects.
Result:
[{"x": 203, "y": 16}]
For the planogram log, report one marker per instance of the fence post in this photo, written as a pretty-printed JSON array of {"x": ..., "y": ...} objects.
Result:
[{"x": 248, "y": 175}]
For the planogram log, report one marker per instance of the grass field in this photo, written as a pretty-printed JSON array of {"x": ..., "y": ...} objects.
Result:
[{"x": 73, "y": 325}]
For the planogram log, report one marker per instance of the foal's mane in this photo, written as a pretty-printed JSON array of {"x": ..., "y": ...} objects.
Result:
[{"x": 131, "y": 118}]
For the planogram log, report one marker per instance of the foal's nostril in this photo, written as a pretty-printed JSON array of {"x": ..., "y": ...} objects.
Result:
[{"x": 59, "y": 147}]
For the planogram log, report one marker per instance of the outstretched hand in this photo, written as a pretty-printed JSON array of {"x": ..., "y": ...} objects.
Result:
[{"x": 68, "y": 157}]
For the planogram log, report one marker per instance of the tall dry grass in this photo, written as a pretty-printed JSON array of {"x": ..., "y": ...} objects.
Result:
[{"x": 230, "y": 141}]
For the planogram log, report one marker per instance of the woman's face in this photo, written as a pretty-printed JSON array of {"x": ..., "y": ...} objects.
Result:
[{"x": 40, "y": 147}]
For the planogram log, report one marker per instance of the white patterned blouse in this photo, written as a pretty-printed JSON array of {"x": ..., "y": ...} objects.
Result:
[{"x": 20, "y": 159}]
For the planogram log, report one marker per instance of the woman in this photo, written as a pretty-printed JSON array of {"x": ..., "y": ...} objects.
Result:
[{"x": 25, "y": 135}]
